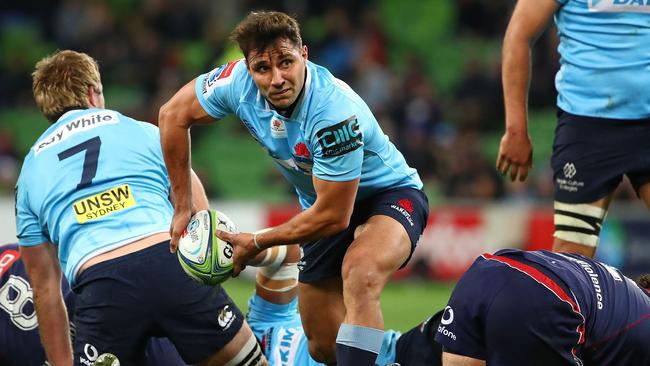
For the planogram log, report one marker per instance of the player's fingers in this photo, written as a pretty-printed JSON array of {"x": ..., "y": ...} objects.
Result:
[
  {"x": 523, "y": 173},
  {"x": 224, "y": 235},
  {"x": 500, "y": 161},
  {"x": 514, "y": 171},
  {"x": 505, "y": 166},
  {"x": 236, "y": 269},
  {"x": 173, "y": 242}
]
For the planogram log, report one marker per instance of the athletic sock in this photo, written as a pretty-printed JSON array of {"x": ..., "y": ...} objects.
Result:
[{"x": 357, "y": 345}]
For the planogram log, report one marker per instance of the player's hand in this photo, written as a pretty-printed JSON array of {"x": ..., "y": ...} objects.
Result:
[
  {"x": 515, "y": 155},
  {"x": 244, "y": 249},
  {"x": 179, "y": 224}
]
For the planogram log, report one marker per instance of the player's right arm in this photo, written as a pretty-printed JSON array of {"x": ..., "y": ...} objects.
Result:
[
  {"x": 175, "y": 119},
  {"x": 528, "y": 21},
  {"x": 42, "y": 265}
]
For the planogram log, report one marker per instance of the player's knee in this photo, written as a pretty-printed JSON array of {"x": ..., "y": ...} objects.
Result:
[
  {"x": 322, "y": 351},
  {"x": 578, "y": 223},
  {"x": 364, "y": 279}
]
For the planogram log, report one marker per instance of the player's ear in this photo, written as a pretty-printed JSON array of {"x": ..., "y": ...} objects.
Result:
[{"x": 304, "y": 53}]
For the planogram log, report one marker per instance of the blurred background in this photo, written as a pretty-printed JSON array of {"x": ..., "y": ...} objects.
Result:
[{"x": 429, "y": 70}]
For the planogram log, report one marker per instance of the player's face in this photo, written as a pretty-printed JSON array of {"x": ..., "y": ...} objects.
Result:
[{"x": 279, "y": 72}]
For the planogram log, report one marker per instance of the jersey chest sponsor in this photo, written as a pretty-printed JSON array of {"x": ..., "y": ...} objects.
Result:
[
  {"x": 102, "y": 204},
  {"x": 340, "y": 138}
]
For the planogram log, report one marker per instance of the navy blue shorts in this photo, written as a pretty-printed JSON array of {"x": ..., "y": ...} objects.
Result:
[
  {"x": 123, "y": 302},
  {"x": 323, "y": 258},
  {"x": 591, "y": 156},
  {"x": 481, "y": 322}
]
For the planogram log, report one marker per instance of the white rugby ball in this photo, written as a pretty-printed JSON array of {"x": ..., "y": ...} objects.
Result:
[{"x": 203, "y": 256}]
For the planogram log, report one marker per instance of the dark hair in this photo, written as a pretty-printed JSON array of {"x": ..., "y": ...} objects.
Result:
[
  {"x": 644, "y": 281},
  {"x": 261, "y": 29}
]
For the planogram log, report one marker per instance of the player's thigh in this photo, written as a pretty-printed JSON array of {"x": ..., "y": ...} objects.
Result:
[
  {"x": 591, "y": 155},
  {"x": 391, "y": 225},
  {"x": 105, "y": 323},
  {"x": 380, "y": 247},
  {"x": 321, "y": 309}
]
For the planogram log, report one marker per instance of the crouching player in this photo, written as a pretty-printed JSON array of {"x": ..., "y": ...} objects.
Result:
[
  {"x": 20, "y": 344},
  {"x": 274, "y": 319},
  {"x": 543, "y": 308}
]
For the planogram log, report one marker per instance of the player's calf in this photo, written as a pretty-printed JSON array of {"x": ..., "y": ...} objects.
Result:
[{"x": 577, "y": 228}]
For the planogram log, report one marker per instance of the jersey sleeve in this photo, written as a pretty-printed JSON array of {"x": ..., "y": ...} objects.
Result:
[
  {"x": 336, "y": 140},
  {"x": 28, "y": 229},
  {"x": 218, "y": 90}
]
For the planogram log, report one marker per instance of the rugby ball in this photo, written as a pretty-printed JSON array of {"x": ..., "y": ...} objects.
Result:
[{"x": 204, "y": 257}]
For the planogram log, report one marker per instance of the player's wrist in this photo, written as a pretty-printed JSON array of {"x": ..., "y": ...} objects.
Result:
[{"x": 256, "y": 241}]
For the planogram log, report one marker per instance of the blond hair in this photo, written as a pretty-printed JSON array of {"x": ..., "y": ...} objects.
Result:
[{"x": 60, "y": 81}]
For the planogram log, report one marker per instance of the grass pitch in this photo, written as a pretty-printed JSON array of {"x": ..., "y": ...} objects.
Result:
[{"x": 404, "y": 304}]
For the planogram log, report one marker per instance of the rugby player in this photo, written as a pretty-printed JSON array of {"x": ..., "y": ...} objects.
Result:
[
  {"x": 544, "y": 308},
  {"x": 92, "y": 202},
  {"x": 364, "y": 208},
  {"x": 273, "y": 316},
  {"x": 20, "y": 344},
  {"x": 603, "y": 116}
]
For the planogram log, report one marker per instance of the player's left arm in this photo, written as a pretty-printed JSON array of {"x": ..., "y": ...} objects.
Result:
[
  {"x": 329, "y": 215},
  {"x": 42, "y": 265}
]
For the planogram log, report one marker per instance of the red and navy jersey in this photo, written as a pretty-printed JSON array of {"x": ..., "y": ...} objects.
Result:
[
  {"x": 20, "y": 344},
  {"x": 611, "y": 304}
]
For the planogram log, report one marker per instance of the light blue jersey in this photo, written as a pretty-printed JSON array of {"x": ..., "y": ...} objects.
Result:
[
  {"x": 94, "y": 181},
  {"x": 283, "y": 339},
  {"x": 331, "y": 133},
  {"x": 605, "y": 58}
]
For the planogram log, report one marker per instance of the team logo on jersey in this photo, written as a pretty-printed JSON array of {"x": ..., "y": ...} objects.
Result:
[
  {"x": 84, "y": 123},
  {"x": 301, "y": 150},
  {"x": 617, "y": 6},
  {"x": 405, "y": 207},
  {"x": 218, "y": 77},
  {"x": 278, "y": 129},
  {"x": 104, "y": 203},
  {"x": 407, "y": 204},
  {"x": 225, "y": 317},
  {"x": 569, "y": 170},
  {"x": 341, "y": 138}
]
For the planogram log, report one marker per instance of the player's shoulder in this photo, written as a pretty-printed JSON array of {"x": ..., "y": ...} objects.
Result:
[
  {"x": 332, "y": 101},
  {"x": 325, "y": 87},
  {"x": 230, "y": 73}
]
